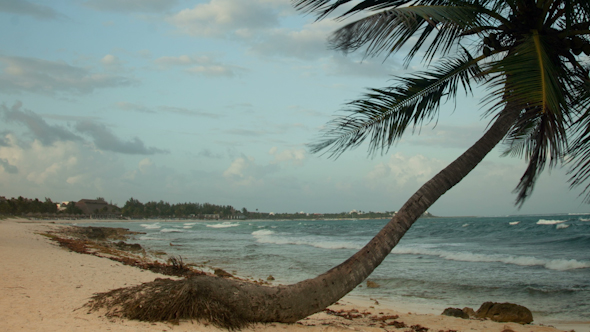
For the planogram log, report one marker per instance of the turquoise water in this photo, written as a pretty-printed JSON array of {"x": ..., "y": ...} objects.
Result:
[{"x": 541, "y": 262}]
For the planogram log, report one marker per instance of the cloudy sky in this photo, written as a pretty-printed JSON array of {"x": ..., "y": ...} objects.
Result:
[{"x": 215, "y": 101}]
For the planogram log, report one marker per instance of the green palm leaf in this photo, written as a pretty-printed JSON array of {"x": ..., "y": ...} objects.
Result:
[
  {"x": 529, "y": 79},
  {"x": 389, "y": 30},
  {"x": 384, "y": 114}
]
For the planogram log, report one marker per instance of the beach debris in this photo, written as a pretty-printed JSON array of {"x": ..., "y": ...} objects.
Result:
[
  {"x": 455, "y": 312},
  {"x": 76, "y": 239},
  {"x": 505, "y": 312},
  {"x": 222, "y": 273},
  {"x": 128, "y": 246},
  {"x": 372, "y": 284},
  {"x": 346, "y": 314},
  {"x": 419, "y": 328},
  {"x": 270, "y": 278}
]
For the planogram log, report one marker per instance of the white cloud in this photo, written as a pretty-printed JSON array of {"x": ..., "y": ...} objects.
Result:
[
  {"x": 295, "y": 156},
  {"x": 308, "y": 43},
  {"x": 401, "y": 170},
  {"x": 222, "y": 18},
  {"x": 56, "y": 167}
]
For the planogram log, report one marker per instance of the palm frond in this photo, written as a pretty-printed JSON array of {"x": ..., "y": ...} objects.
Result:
[
  {"x": 389, "y": 30},
  {"x": 383, "y": 115},
  {"x": 580, "y": 150},
  {"x": 529, "y": 79}
]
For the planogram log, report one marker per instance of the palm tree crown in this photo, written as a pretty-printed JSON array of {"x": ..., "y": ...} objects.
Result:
[{"x": 531, "y": 55}]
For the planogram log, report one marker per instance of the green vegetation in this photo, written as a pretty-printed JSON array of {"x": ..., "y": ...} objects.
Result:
[
  {"x": 134, "y": 209},
  {"x": 24, "y": 206}
]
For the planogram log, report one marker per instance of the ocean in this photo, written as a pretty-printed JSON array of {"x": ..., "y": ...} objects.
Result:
[{"x": 539, "y": 261}]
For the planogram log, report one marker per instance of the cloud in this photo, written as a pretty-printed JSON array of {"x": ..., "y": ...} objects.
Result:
[
  {"x": 308, "y": 43},
  {"x": 24, "y": 7},
  {"x": 210, "y": 154},
  {"x": 126, "y": 106},
  {"x": 131, "y": 6},
  {"x": 295, "y": 156},
  {"x": 22, "y": 74},
  {"x": 200, "y": 65},
  {"x": 186, "y": 111},
  {"x": 111, "y": 62},
  {"x": 105, "y": 140},
  {"x": 402, "y": 170},
  {"x": 224, "y": 18},
  {"x": 8, "y": 168},
  {"x": 452, "y": 136},
  {"x": 46, "y": 134},
  {"x": 244, "y": 171}
]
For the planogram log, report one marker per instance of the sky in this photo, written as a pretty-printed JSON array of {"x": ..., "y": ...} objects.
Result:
[{"x": 215, "y": 101}]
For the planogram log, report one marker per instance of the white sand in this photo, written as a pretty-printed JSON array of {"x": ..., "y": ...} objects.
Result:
[{"x": 43, "y": 287}]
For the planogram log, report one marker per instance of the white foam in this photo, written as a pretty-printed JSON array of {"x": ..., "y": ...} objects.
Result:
[
  {"x": 562, "y": 226},
  {"x": 465, "y": 225},
  {"x": 189, "y": 223},
  {"x": 549, "y": 222},
  {"x": 187, "y": 227},
  {"x": 555, "y": 264},
  {"x": 223, "y": 225},
  {"x": 584, "y": 219},
  {"x": 151, "y": 226},
  {"x": 514, "y": 222},
  {"x": 270, "y": 237},
  {"x": 143, "y": 238},
  {"x": 262, "y": 232},
  {"x": 171, "y": 230}
]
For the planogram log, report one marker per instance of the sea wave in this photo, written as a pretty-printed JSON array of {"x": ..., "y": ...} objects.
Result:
[
  {"x": 270, "y": 237},
  {"x": 551, "y": 264},
  {"x": 514, "y": 223},
  {"x": 562, "y": 226},
  {"x": 223, "y": 225},
  {"x": 549, "y": 222},
  {"x": 151, "y": 226},
  {"x": 171, "y": 230}
]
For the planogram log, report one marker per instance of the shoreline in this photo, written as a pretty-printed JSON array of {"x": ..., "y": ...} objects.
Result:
[{"x": 46, "y": 286}]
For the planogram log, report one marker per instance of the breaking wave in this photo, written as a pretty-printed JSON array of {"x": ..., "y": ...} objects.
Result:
[
  {"x": 171, "y": 230},
  {"x": 549, "y": 222},
  {"x": 551, "y": 264},
  {"x": 151, "y": 226},
  {"x": 270, "y": 237},
  {"x": 223, "y": 225}
]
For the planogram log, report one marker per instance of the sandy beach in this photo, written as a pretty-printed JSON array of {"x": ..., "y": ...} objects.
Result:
[{"x": 44, "y": 288}]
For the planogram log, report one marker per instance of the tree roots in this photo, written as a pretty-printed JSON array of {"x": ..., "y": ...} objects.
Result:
[{"x": 168, "y": 300}]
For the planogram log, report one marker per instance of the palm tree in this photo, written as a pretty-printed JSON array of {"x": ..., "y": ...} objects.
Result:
[{"x": 526, "y": 52}]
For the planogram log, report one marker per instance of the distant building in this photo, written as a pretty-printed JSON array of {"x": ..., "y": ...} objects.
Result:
[
  {"x": 96, "y": 208},
  {"x": 62, "y": 206}
]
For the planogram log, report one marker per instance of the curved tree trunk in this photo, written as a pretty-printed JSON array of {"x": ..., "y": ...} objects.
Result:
[{"x": 256, "y": 303}]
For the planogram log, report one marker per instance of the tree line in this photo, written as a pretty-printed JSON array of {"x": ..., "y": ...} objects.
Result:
[
  {"x": 23, "y": 206},
  {"x": 133, "y": 208}
]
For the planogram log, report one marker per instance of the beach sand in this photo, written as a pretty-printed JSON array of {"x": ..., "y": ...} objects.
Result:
[{"x": 43, "y": 288}]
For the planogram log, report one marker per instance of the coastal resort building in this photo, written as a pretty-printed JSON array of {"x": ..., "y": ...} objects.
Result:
[{"x": 97, "y": 208}]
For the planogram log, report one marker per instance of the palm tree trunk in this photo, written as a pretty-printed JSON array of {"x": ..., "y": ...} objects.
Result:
[{"x": 256, "y": 303}]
